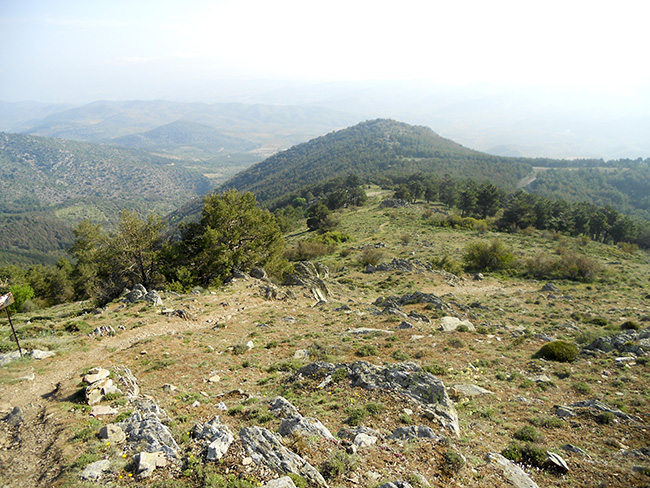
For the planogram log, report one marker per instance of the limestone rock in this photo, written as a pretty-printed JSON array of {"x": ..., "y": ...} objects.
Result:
[
  {"x": 216, "y": 436},
  {"x": 112, "y": 433},
  {"x": 551, "y": 288},
  {"x": 94, "y": 471},
  {"x": 556, "y": 462},
  {"x": 364, "y": 440},
  {"x": 396, "y": 484},
  {"x": 144, "y": 428},
  {"x": 298, "y": 423},
  {"x": 411, "y": 380},
  {"x": 147, "y": 462},
  {"x": 470, "y": 390},
  {"x": 99, "y": 410},
  {"x": 600, "y": 406},
  {"x": 280, "y": 406},
  {"x": 38, "y": 354},
  {"x": 96, "y": 374},
  {"x": 449, "y": 324},
  {"x": 258, "y": 273},
  {"x": 284, "y": 482},
  {"x": 96, "y": 391},
  {"x": 514, "y": 473},
  {"x": 307, "y": 275},
  {"x": 265, "y": 447},
  {"x": 414, "y": 432},
  {"x": 15, "y": 417}
]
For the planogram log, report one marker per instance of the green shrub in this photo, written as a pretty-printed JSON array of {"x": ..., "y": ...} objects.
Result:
[
  {"x": 370, "y": 256},
  {"x": 448, "y": 264},
  {"x": 528, "y": 434},
  {"x": 454, "y": 462},
  {"x": 561, "y": 351},
  {"x": 338, "y": 463},
  {"x": 487, "y": 256},
  {"x": 366, "y": 350},
  {"x": 435, "y": 369},
  {"x": 630, "y": 325},
  {"x": 605, "y": 418},
  {"x": 356, "y": 415},
  {"x": 581, "y": 387},
  {"x": 307, "y": 250},
  {"x": 600, "y": 321}
]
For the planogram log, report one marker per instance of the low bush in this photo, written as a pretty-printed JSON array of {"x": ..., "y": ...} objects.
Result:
[
  {"x": 560, "y": 351},
  {"x": 487, "y": 256}
]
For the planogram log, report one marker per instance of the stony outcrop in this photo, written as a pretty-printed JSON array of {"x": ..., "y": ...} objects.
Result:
[
  {"x": 146, "y": 432},
  {"x": 266, "y": 448},
  {"x": 450, "y": 324},
  {"x": 95, "y": 471},
  {"x": 629, "y": 341},
  {"x": 299, "y": 424},
  {"x": 415, "y": 432},
  {"x": 312, "y": 277},
  {"x": 216, "y": 438},
  {"x": 140, "y": 293},
  {"x": 405, "y": 378}
]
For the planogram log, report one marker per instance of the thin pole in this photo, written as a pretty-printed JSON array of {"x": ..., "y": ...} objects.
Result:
[{"x": 14, "y": 331}]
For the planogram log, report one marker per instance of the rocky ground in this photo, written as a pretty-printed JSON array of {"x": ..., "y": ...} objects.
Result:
[{"x": 342, "y": 378}]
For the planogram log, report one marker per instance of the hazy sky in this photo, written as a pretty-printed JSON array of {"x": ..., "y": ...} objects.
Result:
[{"x": 56, "y": 50}]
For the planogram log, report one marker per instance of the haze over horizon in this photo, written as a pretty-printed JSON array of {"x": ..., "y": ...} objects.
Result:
[{"x": 422, "y": 61}]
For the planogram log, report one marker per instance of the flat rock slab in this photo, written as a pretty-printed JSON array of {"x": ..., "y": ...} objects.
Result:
[
  {"x": 94, "y": 471},
  {"x": 368, "y": 330},
  {"x": 514, "y": 473},
  {"x": 284, "y": 482},
  {"x": 96, "y": 374},
  {"x": 266, "y": 448},
  {"x": 99, "y": 410},
  {"x": 471, "y": 390}
]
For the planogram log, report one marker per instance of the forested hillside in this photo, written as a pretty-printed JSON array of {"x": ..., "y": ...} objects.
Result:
[
  {"x": 370, "y": 150},
  {"x": 623, "y": 185},
  {"x": 49, "y": 185}
]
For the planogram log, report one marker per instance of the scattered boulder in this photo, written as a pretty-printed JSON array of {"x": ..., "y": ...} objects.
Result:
[
  {"x": 364, "y": 440},
  {"x": 351, "y": 433},
  {"x": 468, "y": 390},
  {"x": 628, "y": 341},
  {"x": 280, "y": 406},
  {"x": 147, "y": 462},
  {"x": 555, "y": 462},
  {"x": 10, "y": 356},
  {"x": 602, "y": 407},
  {"x": 396, "y": 484},
  {"x": 15, "y": 417},
  {"x": 298, "y": 423},
  {"x": 450, "y": 324},
  {"x": 112, "y": 433},
  {"x": 216, "y": 437},
  {"x": 284, "y": 482},
  {"x": 100, "y": 410},
  {"x": 514, "y": 473},
  {"x": 128, "y": 382},
  {"x": 415, "y": 432},
  {"x": 145, "y": 430},
  {"x": 265, "y": 447},
  {"x": 550, "y": 287},
  {"x": 258, "y": 273},
  {"x": 96, "y": 391},
  {"x": 96, "y": 374},
  {"x": 94, "y": 471}
]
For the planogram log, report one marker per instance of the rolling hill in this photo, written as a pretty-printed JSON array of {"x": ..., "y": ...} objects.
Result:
[
  {"x": 49, "y": 185},
  {"x": 372, "y": 149}
]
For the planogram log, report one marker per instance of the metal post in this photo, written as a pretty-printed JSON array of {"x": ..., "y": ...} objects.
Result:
[{"x": 14, "y": 331}]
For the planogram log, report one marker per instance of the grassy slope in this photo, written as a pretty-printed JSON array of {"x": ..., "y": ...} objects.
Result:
[{"x": 513, "y": 311}]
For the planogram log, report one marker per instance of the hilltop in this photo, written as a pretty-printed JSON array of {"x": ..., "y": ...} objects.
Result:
[
  {"x": 371, "y": 150},
  {"x": 374, "y": 304}
]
